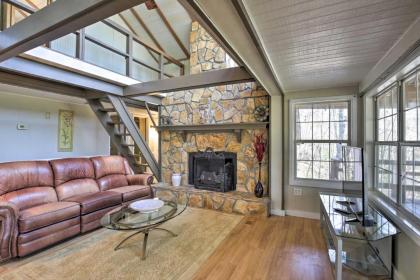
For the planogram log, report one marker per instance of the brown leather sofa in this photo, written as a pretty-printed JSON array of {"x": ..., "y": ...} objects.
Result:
[{"x": 44, "y": 202}]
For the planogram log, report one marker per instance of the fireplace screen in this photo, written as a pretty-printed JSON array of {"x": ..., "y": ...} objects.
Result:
[{"x": 212, "y": 170}]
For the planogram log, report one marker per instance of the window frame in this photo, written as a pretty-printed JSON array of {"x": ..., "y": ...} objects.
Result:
[
  {"x": 352, "y": 139},
  {"x": 399, "y": 143}
]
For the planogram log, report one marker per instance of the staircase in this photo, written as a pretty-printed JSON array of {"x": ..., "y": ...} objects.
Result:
[{"x": 124, "y": 132}]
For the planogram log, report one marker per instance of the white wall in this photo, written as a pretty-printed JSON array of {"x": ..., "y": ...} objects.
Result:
[
  {"x": 276, "y": 151},
  {"x": 40, "y": 140}
]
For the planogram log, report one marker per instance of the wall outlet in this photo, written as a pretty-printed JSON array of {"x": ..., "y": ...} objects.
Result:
[
  {"x": 22, "y": 126},
  {"x": 297, "y": 191}
]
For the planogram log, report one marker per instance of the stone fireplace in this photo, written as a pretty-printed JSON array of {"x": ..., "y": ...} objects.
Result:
[
  {"x": 219, "y": 105},
  {"x": 210, "y": 170}
]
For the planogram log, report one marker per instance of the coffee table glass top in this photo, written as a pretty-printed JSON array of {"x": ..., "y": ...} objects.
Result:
[{"x": 125, "y": 218}]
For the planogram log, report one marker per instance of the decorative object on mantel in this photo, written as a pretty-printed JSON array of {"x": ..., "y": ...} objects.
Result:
[
  {"x": 165, "y": 120},
  {"x": 259, "y": 146},
  {"x": 176, "y": 179},
  {"x": 261, "y": 113}
]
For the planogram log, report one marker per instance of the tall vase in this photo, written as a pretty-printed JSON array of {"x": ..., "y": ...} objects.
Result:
[{"x": 259, "y": 189}]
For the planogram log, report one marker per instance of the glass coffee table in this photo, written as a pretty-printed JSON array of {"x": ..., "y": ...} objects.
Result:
[{"x": 125, "y": 219}]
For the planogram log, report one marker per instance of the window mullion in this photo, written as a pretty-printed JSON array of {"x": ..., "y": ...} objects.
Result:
[
  {"x": 312, "y": 157},
  {"x": 400, "y": 131}
]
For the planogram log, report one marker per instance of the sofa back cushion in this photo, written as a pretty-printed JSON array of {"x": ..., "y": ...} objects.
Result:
[
  {"x": 73, "y": 176},
  {"x": 30, "y": 197},
  {"x": 110, "y": 172},
  {"x": 27, "y": 183}
]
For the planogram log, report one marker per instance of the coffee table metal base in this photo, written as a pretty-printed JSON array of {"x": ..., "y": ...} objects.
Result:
[{"x": 146, "y": 236}]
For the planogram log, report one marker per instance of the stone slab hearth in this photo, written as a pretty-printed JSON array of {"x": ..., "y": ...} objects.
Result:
[{"x": 243, "y": 203}]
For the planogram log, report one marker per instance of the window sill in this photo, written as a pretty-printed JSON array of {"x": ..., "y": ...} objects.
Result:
[
  {"x": 319, "y": 184},
  {"x": 407, "y": 224}
]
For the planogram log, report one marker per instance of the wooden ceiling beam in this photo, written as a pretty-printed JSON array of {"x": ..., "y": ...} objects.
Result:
[
  {"x": 143, "y": 24},
  {"x": 32, "y": 4},
  {"x": 206, "y": 79},
  {"x": 172, "y": 31},
  {"x": 56, "y": 20},
  {"x": 36, "y": 70}
]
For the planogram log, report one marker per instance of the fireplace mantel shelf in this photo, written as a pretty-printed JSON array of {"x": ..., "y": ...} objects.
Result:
[{"x": 208, "y": 128}]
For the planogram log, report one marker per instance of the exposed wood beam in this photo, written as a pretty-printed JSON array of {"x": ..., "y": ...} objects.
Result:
[
  {"x": 22, "y": 13},
  {"x": 172, "y": 31},
  {"x": 205, "y": 79},
  {"x": 134, "y": 32},
  {"x": 49, "y": 86},
  {"x": 49, "y": 73},
  {"x": 56, "y": 20},
  {"x": 21, "y": 6},
  {"x": 32, "y": 4},
  {"x": 143, "y": 24},
  {"x": 153, "y": 101}
]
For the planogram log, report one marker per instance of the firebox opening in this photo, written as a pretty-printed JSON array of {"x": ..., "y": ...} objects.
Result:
[{"x": 211, "y": 170}]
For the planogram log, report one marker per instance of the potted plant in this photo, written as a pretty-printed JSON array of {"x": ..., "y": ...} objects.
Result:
[{"x": 259, "y": 147}]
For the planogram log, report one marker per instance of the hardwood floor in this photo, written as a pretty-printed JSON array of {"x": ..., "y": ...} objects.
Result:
[{"x": 270, "y": 248}]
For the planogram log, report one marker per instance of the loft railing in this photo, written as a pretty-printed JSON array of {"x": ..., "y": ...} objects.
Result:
[{"x": 129, "y": 55}]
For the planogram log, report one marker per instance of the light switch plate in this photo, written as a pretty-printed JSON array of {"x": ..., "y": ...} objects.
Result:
[
  {"x": 22, "y": 126},
  {"x": 297, "y": 191}
]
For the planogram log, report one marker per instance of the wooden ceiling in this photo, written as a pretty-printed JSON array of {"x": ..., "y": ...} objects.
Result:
[
  {"x": 166, "y": 27},
  {"x": 327, "y": 43}
]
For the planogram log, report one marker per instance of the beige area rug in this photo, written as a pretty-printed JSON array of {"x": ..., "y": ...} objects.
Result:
[{"x": 92, "y": 256}]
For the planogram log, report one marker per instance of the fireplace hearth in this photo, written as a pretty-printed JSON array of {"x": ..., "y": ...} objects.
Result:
[{"x": 210, "y": 170}]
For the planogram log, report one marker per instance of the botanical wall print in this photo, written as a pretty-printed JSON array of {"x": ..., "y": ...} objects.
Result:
[{"x": 65, "y": 131}]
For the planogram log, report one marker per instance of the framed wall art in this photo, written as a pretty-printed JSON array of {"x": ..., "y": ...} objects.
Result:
[{"x": 65, "y": 131}]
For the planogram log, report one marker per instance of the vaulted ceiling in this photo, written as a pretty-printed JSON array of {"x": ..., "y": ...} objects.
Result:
[
  {"x": 327, "y": 43},
  {"x": 150, "y": 26}
]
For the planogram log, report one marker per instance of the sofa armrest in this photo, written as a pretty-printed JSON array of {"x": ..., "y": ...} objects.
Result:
[
  {"x": 9, "y": 214},
  {"x": 140, "y": 179}
]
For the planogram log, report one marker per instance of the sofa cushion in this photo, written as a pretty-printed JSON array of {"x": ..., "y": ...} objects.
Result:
[
  {"x": 108, "y": 165},
  {"x": 96, "y": 201},
  {"x": 133, "y": 192},
  {"x": 47, "y": 214},
  {"x": 19, "y": 175},
  {"x": 76, "y": 187},
  {"x": 68, "y": 169},
  {"x": 112, "y": 181},
  {"x": 30, "y": 197}
]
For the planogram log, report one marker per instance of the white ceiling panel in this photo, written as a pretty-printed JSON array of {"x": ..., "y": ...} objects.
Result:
[{"x": 326, "y": 43}]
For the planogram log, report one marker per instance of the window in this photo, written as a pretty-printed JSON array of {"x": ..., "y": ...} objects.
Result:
[
  {"x": 397, "y": 145},
  {"x": 320, "y": 128}
]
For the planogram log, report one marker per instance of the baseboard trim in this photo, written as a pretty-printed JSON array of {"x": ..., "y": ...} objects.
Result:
[
  {"x": 303, "y": 214},
  {"x": 396, "y": 274},
  {"x": 278, "y": 212}
]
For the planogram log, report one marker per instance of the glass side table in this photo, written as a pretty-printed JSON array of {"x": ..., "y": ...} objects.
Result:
[{"x": 365, "y": 251}]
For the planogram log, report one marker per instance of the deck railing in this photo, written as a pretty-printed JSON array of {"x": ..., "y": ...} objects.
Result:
[{"x": 132, "y": 57}]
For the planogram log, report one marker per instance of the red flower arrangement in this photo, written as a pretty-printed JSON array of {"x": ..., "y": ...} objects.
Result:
[{"x": 259, "y": 147}]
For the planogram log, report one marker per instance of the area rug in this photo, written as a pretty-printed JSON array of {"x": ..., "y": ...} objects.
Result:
[{"x": 92, "y": 256}]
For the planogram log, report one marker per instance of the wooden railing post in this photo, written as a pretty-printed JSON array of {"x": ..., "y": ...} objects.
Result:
[
  {"x": 2, "y": 16},
  {"x": 130, "y": 55},
  {"x": 161, "y": 65},
  {"x": 80, "y": 44}
]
